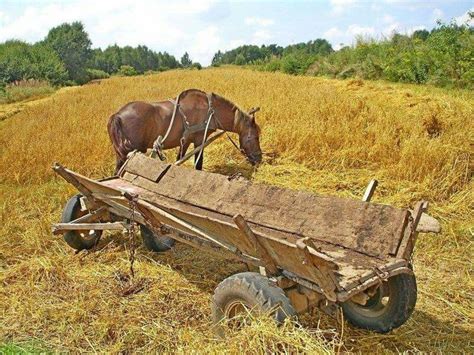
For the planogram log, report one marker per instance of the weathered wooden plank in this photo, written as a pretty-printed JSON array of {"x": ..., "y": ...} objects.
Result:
[
  {"x": 407, "y": 244},
  {"x": 372, "y": 229},
  {"x": 64, "y": 227},
  {"x": 352, "y": 265},
  {"x": 142, "y": 167}
]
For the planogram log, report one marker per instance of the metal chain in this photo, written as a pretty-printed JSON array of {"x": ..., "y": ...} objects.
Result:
[{"x": 131, "y": 236}]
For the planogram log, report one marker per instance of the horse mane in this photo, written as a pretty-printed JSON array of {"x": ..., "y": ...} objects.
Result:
[{"x": 241, "y": 116}]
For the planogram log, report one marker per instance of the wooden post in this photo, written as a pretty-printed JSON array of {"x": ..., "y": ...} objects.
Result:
[
  {"x": 369, "y": 191},
  {"x": 408, "y": 242},
  {"x": 202, "y": 146},
  {"x": 320, "y": 267},
  {"x": 268, "y": 261},
  {"x": 59, "y": 228}
]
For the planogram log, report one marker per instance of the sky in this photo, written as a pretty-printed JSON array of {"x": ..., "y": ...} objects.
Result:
[{"x": 201, "y": 27}]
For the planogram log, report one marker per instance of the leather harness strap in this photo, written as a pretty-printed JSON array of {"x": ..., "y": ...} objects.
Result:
[{"x": 189, "y": 129}]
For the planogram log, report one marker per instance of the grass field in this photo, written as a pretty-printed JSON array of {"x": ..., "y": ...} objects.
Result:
[{"x": 321, "y": 135}]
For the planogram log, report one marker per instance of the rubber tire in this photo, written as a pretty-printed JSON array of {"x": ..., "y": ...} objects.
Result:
[
  {"x": 156, "y": 243},
  {"x": 257, "y": 292},
  {"x": 74, "y": 239},
  {"x": 402, "y": 300}
]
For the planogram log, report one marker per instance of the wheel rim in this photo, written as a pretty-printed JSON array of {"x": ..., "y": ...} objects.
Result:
[
  {"x": 376, "y": 305},
  {"x": 237, "y": 312},
  {"x": 87, "y": 235}
]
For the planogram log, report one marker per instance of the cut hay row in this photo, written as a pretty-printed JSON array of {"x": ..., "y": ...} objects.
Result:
[{"x": 325, "y": 136}]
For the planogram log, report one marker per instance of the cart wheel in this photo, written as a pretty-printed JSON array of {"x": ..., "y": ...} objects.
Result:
[
  {"x": 242, "y": 294},
  {"x": 390, "y": 307},
  {"x": 155, "y": 242},
  {"x": 83, "y": 239}
]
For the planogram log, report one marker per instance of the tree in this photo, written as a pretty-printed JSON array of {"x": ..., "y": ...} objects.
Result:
[
  {"x": 240, "y": 59},
  {"x": 73, "y": 46},
  {"x": 421, "y": 35},
  {"x": 186, "y": 61},
  {"x": 23, "y": 61},
  {"x": 217, "y": 59}
]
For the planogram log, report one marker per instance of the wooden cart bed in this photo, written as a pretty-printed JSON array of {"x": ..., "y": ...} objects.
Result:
[{"x": 359, "y": 242}]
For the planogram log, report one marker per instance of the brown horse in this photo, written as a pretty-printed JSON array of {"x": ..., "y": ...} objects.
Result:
[{"x": 137, "y": 125}]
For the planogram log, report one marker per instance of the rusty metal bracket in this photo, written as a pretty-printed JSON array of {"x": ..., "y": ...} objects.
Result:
[{"x": 383, "y": 275}]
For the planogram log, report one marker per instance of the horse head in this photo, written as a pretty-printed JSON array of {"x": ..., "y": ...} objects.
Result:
[{"x": 249, "y": 135}]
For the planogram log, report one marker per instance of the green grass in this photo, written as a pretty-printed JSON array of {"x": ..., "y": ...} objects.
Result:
[
  {"x": 27, "y": 347},
  {"x": 24, "y": 92}
]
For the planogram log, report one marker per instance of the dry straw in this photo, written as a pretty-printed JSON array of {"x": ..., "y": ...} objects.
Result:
[{"x": 326, "y": 136}]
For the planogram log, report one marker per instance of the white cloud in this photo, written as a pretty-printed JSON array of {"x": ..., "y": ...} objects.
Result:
[
  {"x": 3, "y": 18},
  {"x": 235, "y": 43},
  {"x": 339, "y": 6},
  {"x": 261, "y": 36},
  {"x": 206, "y": 43},
  {"x": 259, "y": 21},
  {"x": 388, "y": 18},
  {"x": 391, "y": 29},
  {"x": 333, "y": 33},
  {"x": 356, "y": 30},
  {"x": 437, "y": 14},
  {"x": 465, "y": 19},
  {"x": 161, "y": 25}
]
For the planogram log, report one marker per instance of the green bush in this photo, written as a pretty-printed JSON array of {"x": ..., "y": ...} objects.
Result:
[
  {"x": 443, "y": 57},
  {"x": 94, "y": 74},
  {"x": 296, "y": 63},
  {"x": 240, "y": 59},
  {"x": 25, "y": 90},
  {"x": 127, "y": 70},
  {"x": 273, "y": 65},
  {"x": 197, "y": 66}
]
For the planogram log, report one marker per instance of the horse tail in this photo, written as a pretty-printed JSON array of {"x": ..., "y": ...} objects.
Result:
[{"x": 121, "y": 144}]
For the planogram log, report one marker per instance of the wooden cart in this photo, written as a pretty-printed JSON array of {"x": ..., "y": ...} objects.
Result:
[{"x": 312, "y": 251}]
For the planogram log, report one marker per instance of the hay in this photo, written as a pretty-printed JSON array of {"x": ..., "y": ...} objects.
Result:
[{"x": 325, "y": 136}]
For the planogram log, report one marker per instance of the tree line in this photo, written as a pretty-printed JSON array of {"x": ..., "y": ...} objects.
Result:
[
  {"x": 66, "y": 57},
  {"x": 443, "y": 56},
  {"x": 303, "y": 54}
]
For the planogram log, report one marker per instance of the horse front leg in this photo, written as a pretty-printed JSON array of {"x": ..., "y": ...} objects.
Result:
[{"x": 182, "y": 150}]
